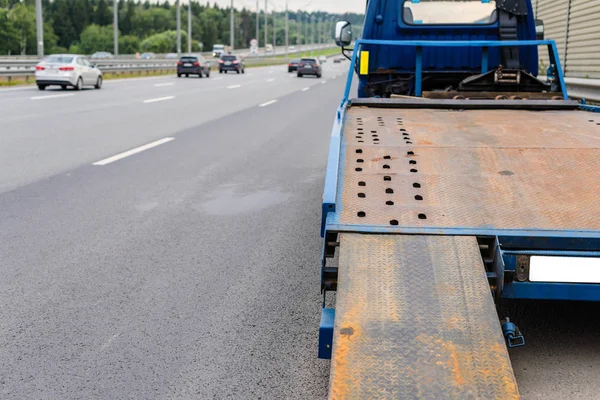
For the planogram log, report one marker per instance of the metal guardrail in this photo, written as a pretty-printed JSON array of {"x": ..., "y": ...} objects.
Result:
[
  {"x": 581, "y": 88},
  {"x": 25, "y": 67},
  {"x": 26, "y": 70}
]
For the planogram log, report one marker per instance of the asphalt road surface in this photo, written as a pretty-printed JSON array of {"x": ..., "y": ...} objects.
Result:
[{"x": 191, "y": 269}]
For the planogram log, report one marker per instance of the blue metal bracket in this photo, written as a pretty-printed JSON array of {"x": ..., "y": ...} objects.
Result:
[
  {"x": 586, "y": 107},
  {"x": 483, "y": 44},
  {"x": 326, "y": 332},
  {"x": 512, "y": 334}
]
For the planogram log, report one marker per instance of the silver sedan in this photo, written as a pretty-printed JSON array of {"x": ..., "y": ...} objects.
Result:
[{"x": 67, "y": 70}]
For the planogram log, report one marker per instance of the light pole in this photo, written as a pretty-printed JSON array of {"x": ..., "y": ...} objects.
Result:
[
  {"x": 287, "y": 44},
  {"x": 189, "y": 41},
  {"x": 178, "y": 28},
  {"x": 312, "y": 31},
  {"x": 116, "y": 28},
  {"x": 274, "y": 33},
  {"x": 231, "y": 28},
  {"x": 257, "y": 23},
  {"x": 266, "y": 26},
  {"x": 39, "y": 28}
]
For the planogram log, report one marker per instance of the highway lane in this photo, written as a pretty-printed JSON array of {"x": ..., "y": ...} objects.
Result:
[
  {"x": 191, "y": 269},
  {"x": 52, "y": 131}
]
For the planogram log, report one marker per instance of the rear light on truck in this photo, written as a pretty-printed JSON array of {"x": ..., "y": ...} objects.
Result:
[
  {"x": 196, "y": 64},
  {"x": 220, "y": 61},
  {"x": 180, "y": 63},
  {"x": 236, "y": 62},
  {"x": 66, "y": 68},
  {"x": 39, "y": 68}
]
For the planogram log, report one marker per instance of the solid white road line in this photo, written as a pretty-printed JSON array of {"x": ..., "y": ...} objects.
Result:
[
  {"x": 305, "y": 89},
  {"x": 234, "y": 86},
  {"x": 268, "y": 103},
  {"x": 164, "y": 84},
  {"x": 323, "y": 82},
  {"x": 133, "y": 151},
  {"x": 270, "y": 80},
  {"x": 159, "y": 99},
  {"x": 217, "y": 78},
  {"x": 52, "y": 96}
]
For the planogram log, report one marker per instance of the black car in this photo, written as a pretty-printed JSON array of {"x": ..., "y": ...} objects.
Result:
[
  {"x": 230, "y": 62},
  {"x": 193, "y": 65},
  {"x": 293, "y": 65},
  {"x": 309, "y": 66}
]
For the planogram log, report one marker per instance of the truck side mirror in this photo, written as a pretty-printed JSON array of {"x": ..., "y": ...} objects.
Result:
[
  {"x": 343, "y": 33},
  {"x": 539, "y": 29}
]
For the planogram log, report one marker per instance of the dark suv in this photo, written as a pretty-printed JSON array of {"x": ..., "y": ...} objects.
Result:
[
  {"x": 193, "y": 65},
  {"x": 309, "y": 66},
  {"x": 230, "y": 62}
]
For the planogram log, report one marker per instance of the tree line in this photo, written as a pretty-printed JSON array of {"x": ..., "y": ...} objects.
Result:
[{"x": 85, "y": 26}]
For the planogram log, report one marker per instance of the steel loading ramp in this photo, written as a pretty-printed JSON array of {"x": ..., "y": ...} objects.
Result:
[{"x": 415, "y": 319}]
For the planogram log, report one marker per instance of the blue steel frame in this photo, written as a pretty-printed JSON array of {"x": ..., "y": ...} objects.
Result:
[
  {"x": 483, "y": 44},
  {"x": 582, "y": 243}
]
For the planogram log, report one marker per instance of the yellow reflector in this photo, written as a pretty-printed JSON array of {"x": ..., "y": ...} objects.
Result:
[{"x": 364, "y": 62}]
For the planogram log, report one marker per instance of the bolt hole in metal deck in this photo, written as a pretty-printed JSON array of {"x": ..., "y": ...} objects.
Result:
[{"x": 454, "y": 179}]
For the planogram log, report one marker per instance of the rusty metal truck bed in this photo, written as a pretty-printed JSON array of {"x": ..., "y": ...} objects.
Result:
[{"x": 468, "y": 169}]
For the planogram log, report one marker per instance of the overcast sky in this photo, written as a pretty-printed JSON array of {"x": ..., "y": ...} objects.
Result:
[{"x": 331, "y": 6}]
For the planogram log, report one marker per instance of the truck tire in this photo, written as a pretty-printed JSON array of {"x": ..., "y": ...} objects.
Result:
[
  {"x": 299, "y": 75},
  {"x": 41, "y": 87}
]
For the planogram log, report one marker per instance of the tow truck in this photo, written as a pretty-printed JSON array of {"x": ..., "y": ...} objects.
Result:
[{"x": 456, "y": 177}]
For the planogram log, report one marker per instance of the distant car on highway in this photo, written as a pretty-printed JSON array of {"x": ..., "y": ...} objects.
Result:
[
  {"x": 171, "y": 55},
  {"x": 293, "y": 65},
  {"x": 269, "y": 48},
  {"x": 193, "y": 65},
  {"x": 67, "y": 70},
  {"x": 309, "y": 66},
  {"x": 230, "y": 62},
  {"x": 322, "y": 59},
  {"x": 101, "y": 55},
  {"x": 147, "y": 56},
  {"x": 218, "y": 50},
  {"x": 338, "y": 60}
]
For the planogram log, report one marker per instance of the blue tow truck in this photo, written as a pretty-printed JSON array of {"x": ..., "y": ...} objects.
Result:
[{"x": 455, "y": 178}]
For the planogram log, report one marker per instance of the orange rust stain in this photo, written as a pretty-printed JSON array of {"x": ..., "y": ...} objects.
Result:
[{"x": 457, "y": 373}]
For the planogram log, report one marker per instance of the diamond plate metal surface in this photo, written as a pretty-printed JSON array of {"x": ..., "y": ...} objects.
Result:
[
  {"x": 505, "y": 169},
  {"x": 415, "y": 319}
]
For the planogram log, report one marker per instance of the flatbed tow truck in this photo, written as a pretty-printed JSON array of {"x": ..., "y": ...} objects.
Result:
[{"x": 454, "y": 179}]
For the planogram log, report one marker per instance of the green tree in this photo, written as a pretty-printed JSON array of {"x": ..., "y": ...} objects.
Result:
[
  {"x": 9, "y": 37},
  {"x": 23, "y": 21},
  {"x": 129, "y": 44},
  {"x": 62, "y": 24},
  {"x": 165, "y": 42},
  {"x": 103, "y": 14},
  {"x": 96, "y": 38}
]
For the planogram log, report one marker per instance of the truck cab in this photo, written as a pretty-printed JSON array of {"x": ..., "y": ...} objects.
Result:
[
  {"x": 391, "y": 70},
  {"x": 454, "y": 179}
]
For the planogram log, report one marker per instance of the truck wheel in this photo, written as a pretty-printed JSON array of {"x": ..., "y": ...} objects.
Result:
[
  {"x": 42, "y": 87},
  {"x": 179, "y": 75},
  {"x": 237, "y": 70},
  {"x": 299, "y": 75},
  {"x": 98, "y": 84},
  {"x": 220, "y": 71},
  {"x": 208, "y": 74}
]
